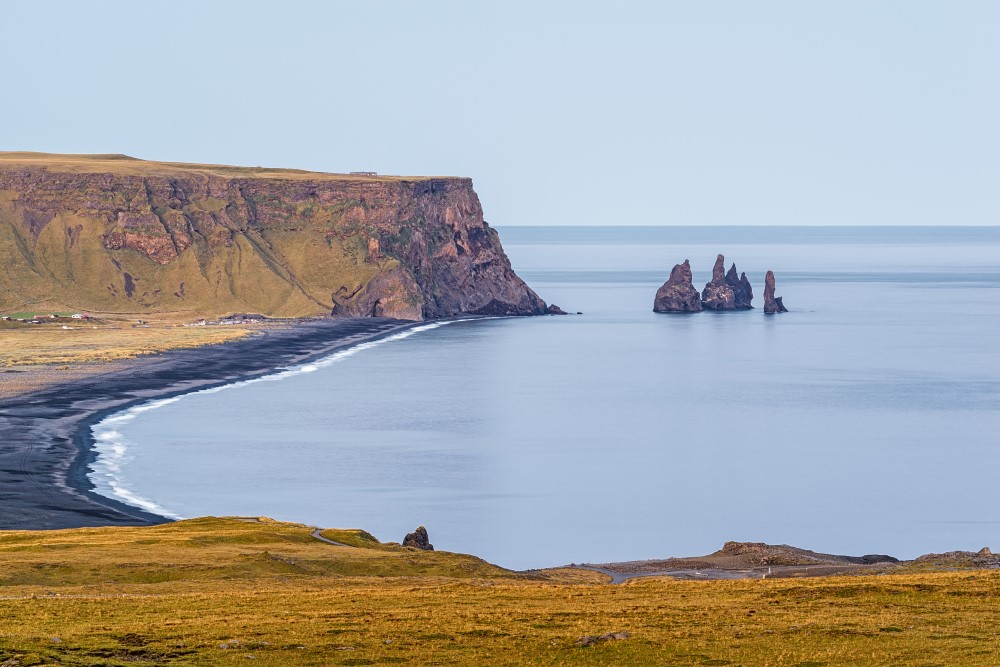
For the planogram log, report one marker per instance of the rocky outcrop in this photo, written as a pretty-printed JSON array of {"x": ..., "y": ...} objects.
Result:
[
  {"x": 418, "y": 539},
  {"x": 742, "y": 291},
  {"x": 758, "y": 553},
  {"x": 772, "y": 304},
  {"x": 718, "y": 293},
  {"x": 115, "y": 234},
  {"x": 984, "y": 559},
  {"x": 389, "y": 294},
  {"x": 678, "y": 294},
  {"x": 553, "y": 309}
]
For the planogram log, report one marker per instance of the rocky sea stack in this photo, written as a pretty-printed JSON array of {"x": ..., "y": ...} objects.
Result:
[
  {"x": 727, "y": 291},
  {"x": 678, "y": 294},
  {"x": 742, "y": 291},
  {"x": 110, "y": 233},
  {"x": 718, "y": 294},
  {"x": 772, "y": 304}
]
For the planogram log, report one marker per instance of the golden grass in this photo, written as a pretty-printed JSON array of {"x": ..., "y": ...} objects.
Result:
[
  {"x": 33, "y": 357},
  {"x": 226, "y": 591},
  {"x": 124, "y": 164},
  {"x": 51, "y": 344}
]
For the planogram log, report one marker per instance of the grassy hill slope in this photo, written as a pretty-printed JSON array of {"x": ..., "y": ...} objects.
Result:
[{"x": 232, "y": 591}]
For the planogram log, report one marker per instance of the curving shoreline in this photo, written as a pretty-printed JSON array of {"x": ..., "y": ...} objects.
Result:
[{"x": 46, "y": 443}]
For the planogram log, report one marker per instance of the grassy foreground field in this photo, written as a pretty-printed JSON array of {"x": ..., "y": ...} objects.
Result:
[{"x": 231, "y": 591}]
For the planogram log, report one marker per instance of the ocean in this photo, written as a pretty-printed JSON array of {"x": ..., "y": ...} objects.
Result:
[{"x": 865, "y": 420}]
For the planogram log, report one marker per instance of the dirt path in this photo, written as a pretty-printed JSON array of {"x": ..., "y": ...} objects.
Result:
[{"x": 318, "y": 534}]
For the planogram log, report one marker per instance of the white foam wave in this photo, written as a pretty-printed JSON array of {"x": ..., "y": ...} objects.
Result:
[{"x": 112, "y": 448}]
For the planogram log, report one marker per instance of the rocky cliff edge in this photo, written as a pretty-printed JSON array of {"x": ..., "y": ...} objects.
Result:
[{"x": 114, "y": 234}]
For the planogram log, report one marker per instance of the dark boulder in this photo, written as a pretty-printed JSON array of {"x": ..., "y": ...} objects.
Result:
[
  {"x": 418, "y": 540},
  {"x": 718, "y": 294},
  {"x": 678, "y": 295},
  {"x": 742, "y": 291},
  {"x": 772, "y": 304}
]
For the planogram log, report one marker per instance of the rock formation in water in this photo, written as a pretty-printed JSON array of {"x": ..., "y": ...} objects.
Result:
[
  {"x": 553, "y": 309},
  {"x": 718, "y": 293},
  {"x": 111, "y": 233},
  {"x": 742, "y": 291},
  {"x": 772, "y": 304},
  {"x": 418, "y": 539},
  {"x": 678, "y": 295}
]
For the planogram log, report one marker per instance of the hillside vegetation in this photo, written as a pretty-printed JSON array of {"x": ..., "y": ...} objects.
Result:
[{"x": 237, "y": 591}]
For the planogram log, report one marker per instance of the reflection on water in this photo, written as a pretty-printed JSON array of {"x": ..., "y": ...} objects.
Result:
[{"x": 863, "y": 421}]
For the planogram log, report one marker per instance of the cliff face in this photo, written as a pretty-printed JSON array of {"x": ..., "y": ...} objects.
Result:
[{"x": 113, "y": 234}]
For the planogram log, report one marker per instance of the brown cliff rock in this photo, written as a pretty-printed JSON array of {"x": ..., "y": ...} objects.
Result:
[
  {"x": 718, "y": 294},
  {"x": 678, "y": 295},
  {"x": 772, "y": 304},
  {"x": 418, "y": 539},
  {"x": 393, "y": 293},
  {"x": 214, "y": 239}
]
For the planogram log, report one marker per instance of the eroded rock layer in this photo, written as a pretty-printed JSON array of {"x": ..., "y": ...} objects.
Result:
[{"x": 115, "y": 234}]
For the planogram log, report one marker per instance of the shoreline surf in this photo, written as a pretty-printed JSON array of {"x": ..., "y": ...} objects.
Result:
[
  {"x": 110, "y": 449},
  {"x": 46, "y": 442}
]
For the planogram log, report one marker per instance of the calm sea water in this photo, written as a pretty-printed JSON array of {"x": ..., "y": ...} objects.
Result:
[{"x": 865, "y": 420}]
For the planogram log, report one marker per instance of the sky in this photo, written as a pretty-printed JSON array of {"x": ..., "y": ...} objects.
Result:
[{"x": 563, "y": 113}]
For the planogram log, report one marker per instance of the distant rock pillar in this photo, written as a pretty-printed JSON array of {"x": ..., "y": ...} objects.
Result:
[
  {"x": 772, "y": 304},
  {"x": 718, "y": 294},
  {"x": 742, "y": 291}
]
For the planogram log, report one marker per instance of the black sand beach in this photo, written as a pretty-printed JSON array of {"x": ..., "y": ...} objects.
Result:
[{"x": 45, "y": 439}]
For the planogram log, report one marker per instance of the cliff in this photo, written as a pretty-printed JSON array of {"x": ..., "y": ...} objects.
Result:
[{"x": 114, "y": 234}]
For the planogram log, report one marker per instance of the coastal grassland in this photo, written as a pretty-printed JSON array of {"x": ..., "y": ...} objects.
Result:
[
  {"x": 231, "y": 591},
  {"x": 53, "y": 345},
  {"x": 130, "y": 166},
  {"x": 36, "y": 356}
]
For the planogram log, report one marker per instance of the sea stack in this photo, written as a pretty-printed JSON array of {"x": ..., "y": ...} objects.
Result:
[
  {"x": 678, "y": 294},
  {"x": 772, "y": 304},
  {"x": 742, "y": 291},
  {"x": 718, "y": 294}
]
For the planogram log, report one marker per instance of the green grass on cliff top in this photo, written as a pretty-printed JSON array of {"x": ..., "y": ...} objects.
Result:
[{"x": 126, "y": 165}]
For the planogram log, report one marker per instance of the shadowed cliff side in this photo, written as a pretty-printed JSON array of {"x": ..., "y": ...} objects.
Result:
[{"x": 115, "y": 234}]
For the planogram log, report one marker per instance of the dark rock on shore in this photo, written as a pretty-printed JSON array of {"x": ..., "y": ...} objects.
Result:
[
  {"x": 772, "y": 304},
  {"x": 418, "y": 539},
  {"x": 553, "y": 309},
  {"x": 742, "y": 291},
  {"x": 678, "y": 294}
]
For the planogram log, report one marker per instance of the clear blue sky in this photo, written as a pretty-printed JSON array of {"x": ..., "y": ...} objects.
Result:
[{"x": 563, "y": 112}]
